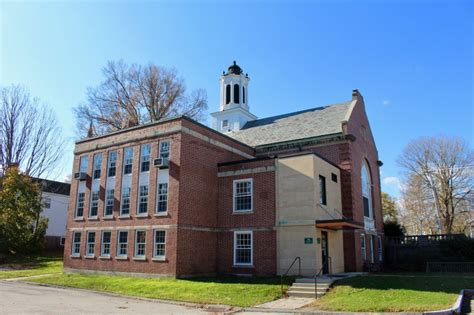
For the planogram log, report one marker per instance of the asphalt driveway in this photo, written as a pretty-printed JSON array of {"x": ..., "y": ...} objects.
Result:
[{"x": 22, "y": 298}]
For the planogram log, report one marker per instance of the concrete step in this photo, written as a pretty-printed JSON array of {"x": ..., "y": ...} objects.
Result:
[
  {"x": 303, "y": 294},
  {"x": 311, "y": 280},
  {"x": 299, "y": 288},
  {"x": 311, "y": 285}
]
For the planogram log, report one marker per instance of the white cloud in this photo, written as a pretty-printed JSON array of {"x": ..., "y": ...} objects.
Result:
[
  {"x": 386, "y": 102},
  {"x": 392, "y": 181}
]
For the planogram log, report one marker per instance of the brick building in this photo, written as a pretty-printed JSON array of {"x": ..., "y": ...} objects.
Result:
[{"x": 178, "y": 198}]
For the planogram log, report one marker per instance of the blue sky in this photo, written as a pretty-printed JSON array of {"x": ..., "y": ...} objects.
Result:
[{"x": 411, "y": 60}]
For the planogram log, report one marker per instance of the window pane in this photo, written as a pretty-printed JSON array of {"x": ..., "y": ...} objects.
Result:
[
  {"x": 128, "y": 161},
  {"x": 159, "y": 248},
  {"x": 125, "y": 206},
  {"x": 164, "y": 151},
  {"x": 162, "y": 202},
  {"x": 243, "y": 248},
  {"x": 97, "y": 165},
  {"x": 112, "y": 163},
  {"x": 145, "y": 157},
  {"x": 109, "y": 204},
  {"x": 243, "y": 195},
  {"x": 143, "y": 199},
  {"x": 94, "y": 204},
  {"x": 80, "y": 204},
  {"x": 83, "y": 164}
]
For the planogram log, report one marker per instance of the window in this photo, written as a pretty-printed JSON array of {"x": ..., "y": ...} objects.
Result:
[
  {"x": 125, "y": 204},
  {"x": 76, "y": 244},
  {"x": 80, "y": 205},
  {"x": 164, "y": 149},
  {"x": 362, "y": 246},
  {"x": 143, "y": 200},
  {"x": 140, "y": 243},
  {"x": 83, "y": 164},
  {"x": 322, "y": 190},
  {"x": 128, "y": 160},
  {"x": 112, "y": 163},
  {"x": 227, "y": 94},
  {"x": 243, "y": 253},
  {"x": 97, "y": 165},
  {"x": 243, "y": 94},
  {"x": 162, "y": 200},
  {"x": 243, "y": 195},
  {"x": 159, "y": 244},
  {"x": 379, "y": 241},
  {"x": 62, "y": 241},
  {"x": 122, "y": 243},
  {"x": 334, "y": 177},
  {"x": 225, "y": 123},
  {"x": 105, "y": 244},
  {"x": 94, "y": 204},
  {"x": 109, "y": 203},
  {"x": 90, "y": 244},
  {"x": 145, "y": 158},
  {"x": 366, "y": 191},
  {"x": 236, "y": 94},
  {"x": 46, "y": 202}
]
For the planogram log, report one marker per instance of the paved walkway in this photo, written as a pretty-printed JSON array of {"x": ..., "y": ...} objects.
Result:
[{"x": 22, "y": 298}]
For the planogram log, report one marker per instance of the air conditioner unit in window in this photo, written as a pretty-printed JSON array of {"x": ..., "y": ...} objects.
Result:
[
  {"x": 161, "y": 163},
  {"x": 80, "y": 176}
]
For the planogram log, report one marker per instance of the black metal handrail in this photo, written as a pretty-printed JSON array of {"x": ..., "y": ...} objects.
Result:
[
  {"x": 288, "y": 270},
  {"x": 325, "y": 263}
]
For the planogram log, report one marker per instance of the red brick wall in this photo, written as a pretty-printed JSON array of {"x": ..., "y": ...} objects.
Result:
[
  {"x": 129, "y": 265},
  {"x": 261, "y": 221}
]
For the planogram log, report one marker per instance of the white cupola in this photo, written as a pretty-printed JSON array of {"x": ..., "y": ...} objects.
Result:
[{"x": 234, "y": 109}]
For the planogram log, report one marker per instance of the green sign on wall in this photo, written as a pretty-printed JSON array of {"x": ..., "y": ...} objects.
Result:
[{"x": 308, "y": 240}]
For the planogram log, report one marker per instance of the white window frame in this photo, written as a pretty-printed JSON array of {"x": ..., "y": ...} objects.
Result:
[
  {"x": 234, "y": 195},
  {"x": 169, "y": 148},
  {"x": 75, "y": 253},
  {"x": 158, "y": 195},
  {"x": 97, "y": 162},
  {"x": 140, "y": 199},
  {"x": 155, "y": 256},
  {"x": 379, "y": 243},
  {"x": 107, "y": 199},
  {"x": 145, "y": 158},
  {"x": 77, "y": 205},
  {"x": 367, "y": 192},
  {"x": 118, "y": 254},
  {"x": 135, "y": 248},
  {"x": 83, "y": 164},
  {"x": 235, "y": 248},
  {"x": 127, "y": 160},
  {"x": 225, "y": 123},
  {"x": 363, "y": 246},
  {"x": 122, "y": 203},
  {"x": 94, "y": 203},
  {"x": 89, "y": 243},
  {"x": 102, "y": 244},
  {"x": 110, "y": 161}
]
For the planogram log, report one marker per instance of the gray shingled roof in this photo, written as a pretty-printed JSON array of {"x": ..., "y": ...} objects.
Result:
[{"x": 308, "y": 123}]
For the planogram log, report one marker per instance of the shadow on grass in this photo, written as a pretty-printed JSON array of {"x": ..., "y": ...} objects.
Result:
[
  {"x": 452, "y": 284},
  {"x": 29, "y": 262}
]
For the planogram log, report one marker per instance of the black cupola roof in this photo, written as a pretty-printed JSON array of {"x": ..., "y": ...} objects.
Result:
[{"x": 234, "y": 69}]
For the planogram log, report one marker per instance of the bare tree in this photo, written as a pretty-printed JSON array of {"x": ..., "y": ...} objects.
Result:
[
  {"x": 134, "y": 94},
  {"x": 29, "y": 133},
  {"x": 444, "y": 166},
  {"x": 417, "y": 210}
]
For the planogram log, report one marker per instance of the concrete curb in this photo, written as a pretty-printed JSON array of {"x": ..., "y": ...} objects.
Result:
[{"x": 457, "y": 307}]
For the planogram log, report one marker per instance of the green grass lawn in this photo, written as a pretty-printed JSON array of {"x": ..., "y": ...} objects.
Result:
[
  {"x": 26, "y": 266},
  {"x": 220, "y": 290},
  {"x": 395, "y": 293}
]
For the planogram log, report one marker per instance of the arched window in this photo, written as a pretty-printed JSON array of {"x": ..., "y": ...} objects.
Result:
[
  {"x": 366, "y": 190},
  {"x": 243, "y": 94},
  {"x": 227, "y": 94},
  {"x": 236, "y": 94}
]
